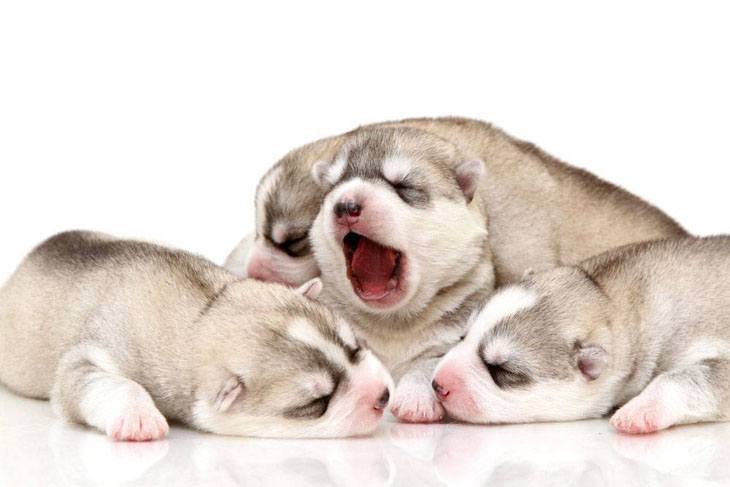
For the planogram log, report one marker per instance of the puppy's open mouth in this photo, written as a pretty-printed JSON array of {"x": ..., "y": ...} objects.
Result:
[{"x": 374, "y": 270}]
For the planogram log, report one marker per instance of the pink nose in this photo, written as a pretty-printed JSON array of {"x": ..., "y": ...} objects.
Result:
[
  {"x": 441, "y": 391},
  {"x": 382, "y": 400}
]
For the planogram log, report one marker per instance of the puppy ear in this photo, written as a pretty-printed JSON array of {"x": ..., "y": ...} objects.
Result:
[
  {"x": 591, "y": 360},
  {"x": 319, "y": 173},
  {"x": 311, "y": 288},
  {"x": 468, "y": 174},
  {"x": 231, "y": 393},
  {"x": 237, "y": 260}
]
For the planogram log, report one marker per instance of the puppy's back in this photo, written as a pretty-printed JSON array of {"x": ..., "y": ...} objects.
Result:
[{"x": 70, "y": 283}]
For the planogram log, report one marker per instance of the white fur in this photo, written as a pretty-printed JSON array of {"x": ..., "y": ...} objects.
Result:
[
  {"x": 325, "y": 173},
  {"x": 350, "y": 411},
  {"x": 115, "y": 404},
  {"x": 504, "y": 303},
  {"x": 345, "y": 332},
  {"x": 421, "y": 237},
  {"x": 482, "y": 401},
  {"x": 396, "y": 168},
  {"x": 278, "y": 233},
  {"x": 303, "y": 331},
  {"x": 237, "y": 261},
  {"x": 414, "y": 400}
]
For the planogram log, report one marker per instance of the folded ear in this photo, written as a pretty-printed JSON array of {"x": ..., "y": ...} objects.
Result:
[
  {"x": 591, "y": 360},
  {"x": 327, "y": 173},
  {"x": 319, "y": 172},
  {"x": 230, "y": 393},
  {"x": 311, "y": 288},
  {"x": 468, "y": 174}
]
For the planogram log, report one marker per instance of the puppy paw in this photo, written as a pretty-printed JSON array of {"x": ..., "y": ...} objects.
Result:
[
  {"x": 416, "y": 405},
  {"x": 640, "y": 416},
  {"x": 138, "y": 423}
]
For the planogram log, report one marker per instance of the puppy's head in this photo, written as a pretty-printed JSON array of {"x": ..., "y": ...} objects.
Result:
[
  {"x": 396, "y": 226},
  {"x": 538, "y": 351},
  {"x": 282, "y": 365},
  {"x": 287, "y": 201}
]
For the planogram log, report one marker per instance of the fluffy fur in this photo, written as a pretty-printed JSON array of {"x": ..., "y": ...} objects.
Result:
[
  {"x": 124, "y": 335},
  {"x": 643, "y": 328},
  {"x": 479, "y": 209}
]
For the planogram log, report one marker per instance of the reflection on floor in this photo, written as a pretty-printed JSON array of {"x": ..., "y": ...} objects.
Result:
[{"x": 38, "y": 449}]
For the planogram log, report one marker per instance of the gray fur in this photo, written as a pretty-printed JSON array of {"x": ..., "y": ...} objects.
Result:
[
  {"x": 542, "y": 212},
  {"x": 658, "y": 310},
  {"x": 539, "y": 213},
  {"x": 85, "y": 309}
]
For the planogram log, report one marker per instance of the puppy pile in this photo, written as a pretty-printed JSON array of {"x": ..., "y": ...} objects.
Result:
[{"x": 603, "y": 301}]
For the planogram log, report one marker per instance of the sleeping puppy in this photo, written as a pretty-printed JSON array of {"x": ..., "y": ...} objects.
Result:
[
  {"x": 287, "y": 201},
  {"x": 642, "y": 328},
  {"x": 124, "y": 335},
  {"x": 454, "y": 208}
]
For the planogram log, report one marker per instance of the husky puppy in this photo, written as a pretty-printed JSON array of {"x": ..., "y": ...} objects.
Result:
[
  {"x": 643, "y": 328},
  {"x": 404, "y": 251},
  {"x": 422, "y": 218},
  {"x": 122, "y": 335},
  {"x": 542, "y": 212},
  {"x": 287, "y": 201}
]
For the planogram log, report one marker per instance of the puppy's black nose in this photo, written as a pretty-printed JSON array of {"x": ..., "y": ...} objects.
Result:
[
  {"x": 383, "y": 401},
  {"x": 349, "y": 208},
  {"x": 353, "y": 209}
]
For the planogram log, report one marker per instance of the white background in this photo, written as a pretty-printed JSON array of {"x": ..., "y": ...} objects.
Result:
[{"x": 156, "y": 119}]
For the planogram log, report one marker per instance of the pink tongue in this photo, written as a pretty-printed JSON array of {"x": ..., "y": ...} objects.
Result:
[{"x": 373, "y": 265}]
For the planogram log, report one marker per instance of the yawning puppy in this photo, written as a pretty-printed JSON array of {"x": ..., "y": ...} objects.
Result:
[
  {"x": 122, "y": 335},
  {"x": 643, "y": 327},
  {"x": 422, "y": 228},
  {"x": 403, "y": 251}
]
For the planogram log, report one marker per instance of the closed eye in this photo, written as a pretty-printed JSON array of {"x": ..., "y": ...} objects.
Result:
[
  {"x": 409, "y": 193},
  {"x": 312, "y": 410},
  {"x": 503, "y": 376},
  {"x": 295, "y": 246}
]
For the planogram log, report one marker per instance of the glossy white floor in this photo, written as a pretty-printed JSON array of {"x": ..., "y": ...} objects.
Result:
[{"x": 38, "y": 449}]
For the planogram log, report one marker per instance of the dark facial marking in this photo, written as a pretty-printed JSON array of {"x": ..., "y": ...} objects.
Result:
[
  {"x": 504, "y": 377},
  {"x": 312, "y": 410},
  {"x": 412, "y": 191},
  {"x": 295, "y": 245},
  {"x": 505, "y": 374},
  {"x": 317, "y": 407}
]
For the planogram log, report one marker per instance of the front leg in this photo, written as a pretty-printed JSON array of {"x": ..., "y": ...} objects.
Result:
[
  {"x": 414, "y": 400},
  {"x": 89, "y": 389},
  {"x": 693, "y": 394}
]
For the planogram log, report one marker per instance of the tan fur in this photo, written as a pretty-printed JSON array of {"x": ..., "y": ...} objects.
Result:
[
  {"x": 87, "y": 314},
  {"x": 642, "y": 327},
  {"x": 539, "y": 213},
  {"x": 542, "y": 212}
]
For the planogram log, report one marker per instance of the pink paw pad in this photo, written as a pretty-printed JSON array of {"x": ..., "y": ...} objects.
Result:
[
  {"x": 638, "y": 420},
  {"x": 418, "y": 410},
  {"x": 139, "y": 424}
]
